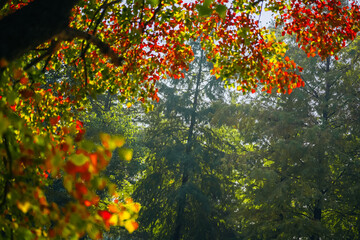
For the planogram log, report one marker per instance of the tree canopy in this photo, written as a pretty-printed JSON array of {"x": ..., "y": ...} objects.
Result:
[
  {"x": 301, "y": 177},
  {"x": 55, "y": 56}
]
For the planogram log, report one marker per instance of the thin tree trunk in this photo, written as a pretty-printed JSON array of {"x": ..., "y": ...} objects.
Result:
[
  {"x": 317, "y": 212},
  {"x": 185, "y": 176},
  {"x": 317, "y": 217}
]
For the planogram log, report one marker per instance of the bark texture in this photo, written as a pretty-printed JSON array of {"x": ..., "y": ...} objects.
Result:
[{"x": 32, "y": 25}]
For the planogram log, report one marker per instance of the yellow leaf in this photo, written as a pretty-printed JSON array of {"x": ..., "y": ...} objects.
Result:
[
  {"x": 135, "y": 207},
  {"x": 119, "y": 141},
  {"x": 114, "y": 220},
  {"x": 38, "y": 232},
  {"x": 124, "y": 215},
  {"x": 24, "y": 207},
  {"x": 111, "y": 142},
  {"x": 126, "y": 154},
  {"x": 131, "y": 226},
  {"x": 15, "y": 225}
]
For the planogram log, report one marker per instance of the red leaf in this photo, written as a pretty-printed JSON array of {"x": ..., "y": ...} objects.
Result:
[
  {"x": 26, "y": 93},
  {"x": 24, "y": 80},
  {"x": 54, "y": 120},
  {"x": 105, "y": 214},
  {"x": 87, "y": 203},
  {"x": 79, "y": 125},
  {"x": 81, "y": 188}
]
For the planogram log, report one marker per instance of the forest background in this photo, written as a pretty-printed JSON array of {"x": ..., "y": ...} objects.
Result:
[{"x": 167, "y": 142}]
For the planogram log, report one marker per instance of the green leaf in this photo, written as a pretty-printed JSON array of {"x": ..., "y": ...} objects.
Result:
[
  {"x": 221, "y": 10},
  {"x": 11, "y": 97},
  {"x": 79, "y": 159},
  {"x": 204, "y": 11},
  {"x": 23, "y": 233},
  {"x": 153, "y": 3},
  {"x": 207, "y": 3},
  {"x": 4, "y": 123}
]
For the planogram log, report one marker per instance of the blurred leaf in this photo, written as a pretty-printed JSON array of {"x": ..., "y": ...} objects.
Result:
[
  {"x": 153, "y": 3},
  {"x": 221, "y": 10},
  {"x": 79, "y": 159},
  {"x": 126, "y": 154},
  {"x": 24, "y": 206},
  {"x": 131, "y": 226},
  {"x": 204, "y": 11}
]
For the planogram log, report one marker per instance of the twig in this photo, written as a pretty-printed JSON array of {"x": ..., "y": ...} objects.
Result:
[
  {"x": 256, "y": 2},
  {"x": 85, "y": 69},
  {"x": 153, "y": 16},
  {"x": 70, "y": 33},
  {"x": 103, "y": 6},
  {"x": 52, "y": 48}
]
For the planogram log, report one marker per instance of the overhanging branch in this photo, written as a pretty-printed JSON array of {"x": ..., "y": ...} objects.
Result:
[
  {"x": 152, "y": 19},
  {"x": 52, "y": 48},
  {"x": 71, "y": 33},
  {"x": 32, "y": 25}
]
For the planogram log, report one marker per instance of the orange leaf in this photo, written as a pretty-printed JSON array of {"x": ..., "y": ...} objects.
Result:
[
  {"x": 87, "y": 203},
  {"x": 113, "y": 208},
  {"x": 81, "y": 188}
]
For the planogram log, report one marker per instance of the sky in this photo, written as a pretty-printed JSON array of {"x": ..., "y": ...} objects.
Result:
[{"x": 265, "y": 18}]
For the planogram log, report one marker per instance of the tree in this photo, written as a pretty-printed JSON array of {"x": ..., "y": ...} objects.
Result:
[
  {"x": 187, "y": 187},
  {"x": 122, "y": 47},
  {"x": 303, "y": 170}
]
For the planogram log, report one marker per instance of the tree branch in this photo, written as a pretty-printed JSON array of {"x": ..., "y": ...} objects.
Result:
[
  {"x": 153, "y": 16},
  {"x": 8, "y": 176},
  {"x": 32, "y": 25},
  {"x": 256, "y": 2},
  {"x": 71, "y": 33},
  {"x": 52, "y": 48},
  {"x": 83, "y": 47}
]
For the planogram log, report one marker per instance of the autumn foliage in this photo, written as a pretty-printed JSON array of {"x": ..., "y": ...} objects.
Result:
[{"x": 125, "y": 48}]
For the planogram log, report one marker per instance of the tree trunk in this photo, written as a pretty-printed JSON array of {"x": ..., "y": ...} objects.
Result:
[
  {"x": 317, "y": 217},
  {"x": 32, "y": 25},
  {"x": 325, "y": 123},
  {"x": 185, "y": 176}
]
